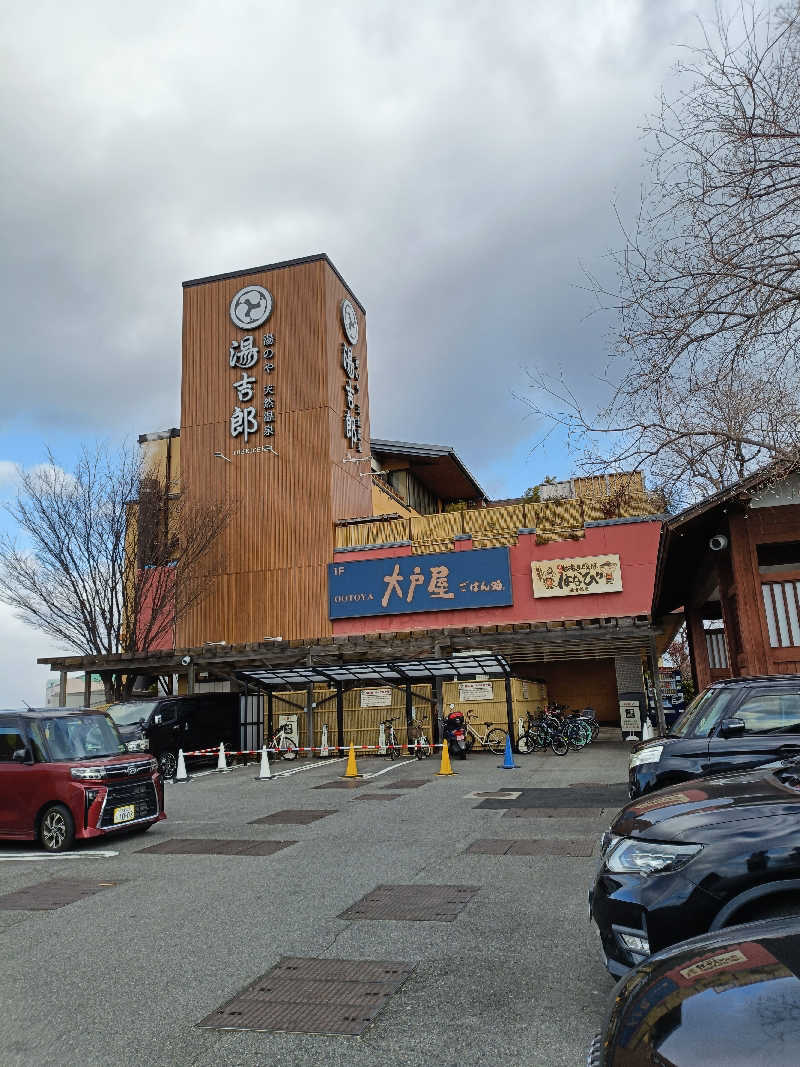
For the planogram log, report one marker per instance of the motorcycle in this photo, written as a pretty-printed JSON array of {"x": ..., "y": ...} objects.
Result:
[{"x": 455, "y": 734}]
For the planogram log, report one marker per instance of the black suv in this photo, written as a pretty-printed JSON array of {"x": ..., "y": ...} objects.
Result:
[
  {"x": 732, "y": 725},
  {"x": 696, "y": 858},
  {"x": 190, "y": 723}
]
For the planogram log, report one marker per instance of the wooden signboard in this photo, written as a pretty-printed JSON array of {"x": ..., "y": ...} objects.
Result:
[{"x": 578, "y": 575}]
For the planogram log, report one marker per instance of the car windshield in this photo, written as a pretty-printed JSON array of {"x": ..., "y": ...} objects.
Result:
[
  {"x": 131, "y": 712},
  {"x": 79, "y": 737},
  {"x": 703, "y": 713}
]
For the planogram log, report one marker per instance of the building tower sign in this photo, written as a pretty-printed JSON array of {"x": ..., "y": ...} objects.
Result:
[{"x": 277, "y": 376}]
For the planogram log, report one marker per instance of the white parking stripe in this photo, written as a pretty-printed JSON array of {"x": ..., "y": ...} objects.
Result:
[
  {"x": 309, "y": 767},
  {"x": 386, "y": 770},
  {"x": 33, "y": 857}
]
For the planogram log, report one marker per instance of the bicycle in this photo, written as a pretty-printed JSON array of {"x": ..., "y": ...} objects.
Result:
[
  {"x": 545, "y": 732},
  {"x": 392, "y": 744},
  {"x": 282, "y": 742},
  {"x": 494, "y": 738},
  {"x": 417, "y": 738}
]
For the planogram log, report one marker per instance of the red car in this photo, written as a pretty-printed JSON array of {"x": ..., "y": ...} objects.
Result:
[{"x": 65, "y": 774}]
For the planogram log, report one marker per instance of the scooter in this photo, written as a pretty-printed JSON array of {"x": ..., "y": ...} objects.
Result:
[{"x": 455, "y": 734}]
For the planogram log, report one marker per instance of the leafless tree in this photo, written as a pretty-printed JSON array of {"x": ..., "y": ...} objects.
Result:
[
  {"x": 678, "y": 652},
  {"x": 104, "y": 558},
  {"x": 704, "y": 381}
]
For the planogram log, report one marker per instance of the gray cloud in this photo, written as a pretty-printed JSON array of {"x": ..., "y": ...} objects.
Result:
[{"x": 455, "y": 160}]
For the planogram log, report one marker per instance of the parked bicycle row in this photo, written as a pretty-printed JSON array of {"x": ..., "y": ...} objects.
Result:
[{"x": 559, "y": 730}]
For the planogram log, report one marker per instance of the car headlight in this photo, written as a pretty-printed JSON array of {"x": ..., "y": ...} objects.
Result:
[
  {"x": 87, "y": 773},
  {"x": 650, "y": 754},
  {"x": 648, "y": 857}
]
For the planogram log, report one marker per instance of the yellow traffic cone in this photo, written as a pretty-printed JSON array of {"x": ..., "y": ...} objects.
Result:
[
  {"x": 445, "y": 767},
  {"x": 352, "y": 769}
]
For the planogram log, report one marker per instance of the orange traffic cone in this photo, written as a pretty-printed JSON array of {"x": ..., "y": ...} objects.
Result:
[
  {"x": 352, "y": 769},
  {"x": 445, "y": 767}
]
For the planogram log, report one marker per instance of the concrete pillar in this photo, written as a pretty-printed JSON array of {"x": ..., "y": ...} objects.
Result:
[
  {"x": 87, "y": 688},
  {"x": 62, "y": 689}
]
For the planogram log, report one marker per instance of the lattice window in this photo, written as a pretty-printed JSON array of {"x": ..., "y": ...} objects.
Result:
[
  {"x": 717, "y": 649},
  {"x": 782, "y": 604}
]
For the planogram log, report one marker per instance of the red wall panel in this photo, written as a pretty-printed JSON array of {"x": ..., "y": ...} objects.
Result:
[{"x": 636, "y": 543}]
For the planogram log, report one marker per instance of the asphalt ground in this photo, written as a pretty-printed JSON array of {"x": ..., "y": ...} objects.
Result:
[{"x": 124, "y": 976}]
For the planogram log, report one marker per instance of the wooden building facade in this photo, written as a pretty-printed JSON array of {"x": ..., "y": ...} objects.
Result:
[{"x": 733, "y": 563}]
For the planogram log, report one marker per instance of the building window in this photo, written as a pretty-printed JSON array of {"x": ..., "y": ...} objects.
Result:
[
  {"x": 781, "y": 603},
  {"x": 781, "y": 558}
]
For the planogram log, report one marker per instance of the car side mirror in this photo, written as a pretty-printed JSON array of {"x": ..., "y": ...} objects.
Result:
[
  {"x": 732, "y": 728},
  {"x": 22, "y": 755},
  {"x": 156, "y": 720}
]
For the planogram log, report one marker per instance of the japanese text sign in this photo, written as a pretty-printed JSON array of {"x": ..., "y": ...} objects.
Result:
[
  {"x": 583, "y": 574},
  {"x": 441, "y": 581}
]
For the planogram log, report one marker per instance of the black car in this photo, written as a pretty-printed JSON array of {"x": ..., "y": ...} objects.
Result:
[
  {"x": 730, "y": 999},
  {"x": 191, "y": 723},
  {"x": 732, "y": 725},
  {"x": 696, "y": 858}
]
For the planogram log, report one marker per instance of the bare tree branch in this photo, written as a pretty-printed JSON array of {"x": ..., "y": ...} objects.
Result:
[
  {"x": 704, "y": 381},
  {"x": 106, "y": 559}
]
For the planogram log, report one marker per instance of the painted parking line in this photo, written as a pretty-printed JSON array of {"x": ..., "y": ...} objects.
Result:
[
  {"x": 34, "y": 857},
  {"x": 393, "y": 767},
  {"x": 309, "y": 767}
]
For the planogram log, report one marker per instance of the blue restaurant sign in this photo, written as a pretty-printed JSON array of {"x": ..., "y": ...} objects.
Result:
[{"x": 441, "y": 581}]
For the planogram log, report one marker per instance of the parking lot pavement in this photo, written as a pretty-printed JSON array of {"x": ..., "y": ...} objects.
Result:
[{"x": 125, "y": 975}]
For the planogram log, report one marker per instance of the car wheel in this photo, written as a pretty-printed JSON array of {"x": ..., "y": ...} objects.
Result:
[
  {"x": 57, "y": 829},
  {"x": 774, "y": 907},
  {"x": 168, "y": 764}
]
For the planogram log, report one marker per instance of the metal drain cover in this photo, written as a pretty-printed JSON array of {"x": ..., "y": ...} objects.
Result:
[
  {"x": 198, "y": 846},
  {"x": 424, "y": 903},
  {"x": 501, "y": 794},
  {"x": 340, "y": 783},
  {"x": 291, "y": 816},
  {"x": 407, "y": 783},
  {"x": 379, "y": 796},
  {"x": 47, "y": 896},
  {"x": 553, "y": 846},
  {"x": 313, "y": 996},
  {"x": 551, "y": 813}
]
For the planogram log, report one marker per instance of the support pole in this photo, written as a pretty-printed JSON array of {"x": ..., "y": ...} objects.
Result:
[
  {"x": 339, "y": 717},
  {"x": 270, "y": 723},
  {"x": 62, "y": 689},
  {"x": 190, "y": 680},
  {"x": 510, "y": 711},
  {"x": 653, "y": 656},
  {"x": 310, "y": 717},
  {"x": 409, "y": 712},
  {"x": 87, "y": 689}
]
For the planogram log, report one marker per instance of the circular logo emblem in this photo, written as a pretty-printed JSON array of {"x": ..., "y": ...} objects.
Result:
[
  {"x": 251, "y": 306},
  {"x": 350, "y": 322}
]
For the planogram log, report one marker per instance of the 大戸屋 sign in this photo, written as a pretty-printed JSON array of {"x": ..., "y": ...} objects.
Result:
[
  {"x": 441, "y": 581},
  {"x": 584, "y": 574}
]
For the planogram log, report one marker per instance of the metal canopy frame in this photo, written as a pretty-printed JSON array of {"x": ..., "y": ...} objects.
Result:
[
  {"x": 404, "y": 672},
  {"x": 400, "y": 675}
]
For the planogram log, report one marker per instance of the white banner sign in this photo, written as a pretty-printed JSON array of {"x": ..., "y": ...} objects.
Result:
[
  {"x": 376, "y": 698},
  {"x": 583, "y": 574},
  {"x": 629, "y": 716},
  {"x": 475, "y": 691}
]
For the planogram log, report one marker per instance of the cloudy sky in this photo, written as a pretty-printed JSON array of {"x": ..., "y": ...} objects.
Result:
[{"x": 458, "y": 161}]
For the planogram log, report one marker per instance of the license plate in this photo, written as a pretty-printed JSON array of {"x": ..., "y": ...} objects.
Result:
[{"x": 125, "y": 813}]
